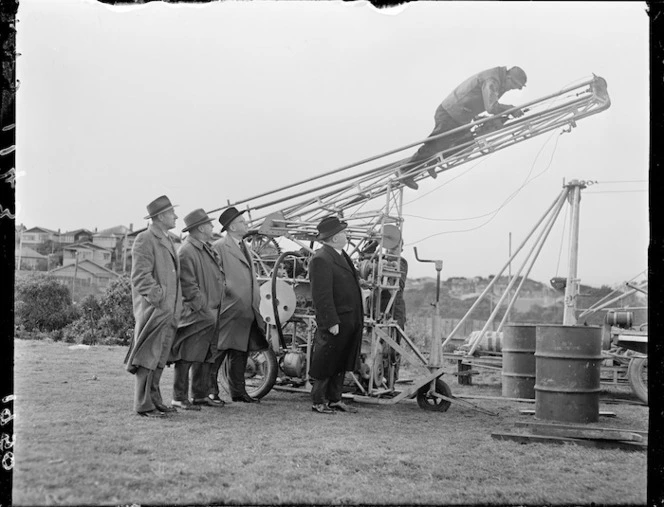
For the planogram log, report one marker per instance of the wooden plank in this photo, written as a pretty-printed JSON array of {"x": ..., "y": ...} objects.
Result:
[
  {"x": 599, "y": 444},
  {"x": 531, "y": 411},
  {"x": 586, "y": 433},
  {"x": 497, "y": 398},
  {"x": 534, "y": 424}
]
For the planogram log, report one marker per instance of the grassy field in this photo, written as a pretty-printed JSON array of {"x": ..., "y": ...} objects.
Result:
[{"x": 79, "y": 442}]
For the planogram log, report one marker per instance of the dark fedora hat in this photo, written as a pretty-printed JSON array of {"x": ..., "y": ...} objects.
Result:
[
  {"x": 159, "y": 205},
  {"x": 196, "y": 218},
  {"x": 328, "y": 227},
  {"x": 227, "y": 217}
]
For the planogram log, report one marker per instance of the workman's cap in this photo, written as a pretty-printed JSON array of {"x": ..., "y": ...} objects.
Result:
[
  {"x": 159, "y": 205},
  {"x": 227, "y": 217},
  {"x": 196, "y": 218},
  {"x": 328, "y": 227},
  {"x": 518, "y": 75}
]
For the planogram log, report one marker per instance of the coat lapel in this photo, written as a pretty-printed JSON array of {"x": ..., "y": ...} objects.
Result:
[
  {"x": 340, "y": 260},
  {"x": 234, "y": 249},
  {"x": 166, "y": 242}
]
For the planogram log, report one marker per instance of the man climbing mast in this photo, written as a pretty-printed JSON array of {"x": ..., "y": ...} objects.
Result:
[{"x": 477, "y": 94}]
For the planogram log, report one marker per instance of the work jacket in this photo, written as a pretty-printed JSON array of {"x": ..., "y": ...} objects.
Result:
[{"x": 477, "y": 94}]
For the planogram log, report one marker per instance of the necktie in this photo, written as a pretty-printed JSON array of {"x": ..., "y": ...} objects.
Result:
[{"x": 243, "y": 247}]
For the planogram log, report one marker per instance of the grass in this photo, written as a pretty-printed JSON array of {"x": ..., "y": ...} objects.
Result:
[{"x": 79, "y": 442}]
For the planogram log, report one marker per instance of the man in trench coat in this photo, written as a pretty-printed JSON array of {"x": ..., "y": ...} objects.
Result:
[
  {"x": 241, "y": 327},
  {"x": 195, "y": 344},
  {"x": 337, "y": 300},
  {"x": 157, "y": 301}
]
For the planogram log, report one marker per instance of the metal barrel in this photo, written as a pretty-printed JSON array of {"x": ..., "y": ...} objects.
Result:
[
  {"x": 518, "y": 375},
  {"x": 567, "y": 373},
  {"x": 619, "y": 319}
]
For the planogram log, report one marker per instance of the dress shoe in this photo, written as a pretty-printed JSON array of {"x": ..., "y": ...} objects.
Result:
[
  {"x": 341, "y": 407},
  {"x": 210, "y": 402},
  {"x": 184, "y": 405},
  {"x": 152, "y": 413},
  {"x": 321, "y": 408},
  {"x": 245, "y": 398},
  {"x": 165, "y": 409}
]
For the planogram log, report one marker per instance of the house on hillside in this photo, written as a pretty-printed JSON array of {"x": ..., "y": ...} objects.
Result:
[
  {"x": 28, "y": 259},
  {"x": 86, "y": 272},
  {"x": 75, "y": 236},
  {"x": 108, "y": 238},
  {"x": 37, "y": 236},
  {"x": 85, "y": 251}
]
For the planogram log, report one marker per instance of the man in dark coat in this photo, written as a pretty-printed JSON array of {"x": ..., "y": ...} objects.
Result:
[
  {"x": 241, "y": 327},
  {"x": 202, "y": 281},
  {"x": 477, "y": 94},
  {"x": 157, "y": 301},
  {"x": 337, "y": 300}
]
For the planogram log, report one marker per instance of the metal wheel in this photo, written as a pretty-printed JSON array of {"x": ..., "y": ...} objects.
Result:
[
  {"x": 637, "y": 373},
  {"x": 260, "y": 374},
  {"x": 428, "y": 402}
]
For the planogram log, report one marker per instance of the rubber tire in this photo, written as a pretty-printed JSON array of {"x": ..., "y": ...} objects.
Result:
[
  {"x": 636, "y": 381},
  {"x": 436, "y": 405},
  {"x": 264, "y": 383}
]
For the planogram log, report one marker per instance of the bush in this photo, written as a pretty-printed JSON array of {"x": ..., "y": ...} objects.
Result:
[
  {"x": 108, "y": 320},
  {"x": 42, "y": 304}
]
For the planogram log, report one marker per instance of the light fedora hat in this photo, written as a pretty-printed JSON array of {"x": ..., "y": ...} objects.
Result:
[
  {"x": 159, "y": 205},
  {"x": 196, "y": 218},
  {"x": 328, "y": 227}
]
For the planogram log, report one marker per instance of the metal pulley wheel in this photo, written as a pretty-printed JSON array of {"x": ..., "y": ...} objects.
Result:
[
  {"x": 391, "y": 236},
  {"x": 285, "y": 302}
]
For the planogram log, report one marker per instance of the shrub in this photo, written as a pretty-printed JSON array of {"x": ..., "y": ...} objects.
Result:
[
  {"x": 108, "y": 320},
  {"x": 42, "y": 304}
]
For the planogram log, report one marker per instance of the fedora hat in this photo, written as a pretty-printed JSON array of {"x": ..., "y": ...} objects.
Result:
[
  {"x": 227, "y": 217},
  {"x": 328, "y": 227},
  {"x": 159, "y": 205},
  {"x": 196, "y": 218}
]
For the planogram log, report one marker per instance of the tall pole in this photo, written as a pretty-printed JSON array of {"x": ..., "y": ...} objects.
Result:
[
  {"x": 509, "y": 278},
  {"x": 73, "y": 281},
  {"x": 572, "y": 286}
]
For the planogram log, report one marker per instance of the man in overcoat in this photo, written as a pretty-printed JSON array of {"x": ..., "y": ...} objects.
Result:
[
  {"x": 241, "y": 327},
  {"x": 337, "y": 300},
  {"x": 157, "y": 301},
  {"x": 477, "y": 94},
  {"x": 195, "y": 344}
]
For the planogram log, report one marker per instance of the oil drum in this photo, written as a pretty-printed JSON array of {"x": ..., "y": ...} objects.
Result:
[
  {"x": 518, "y": 375},
  {"x": 567, "y": 373},
  {"x": 619, "y": 319}
]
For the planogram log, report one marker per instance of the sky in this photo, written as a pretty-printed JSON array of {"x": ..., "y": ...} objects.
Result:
[{"x": 214, "y": 103}]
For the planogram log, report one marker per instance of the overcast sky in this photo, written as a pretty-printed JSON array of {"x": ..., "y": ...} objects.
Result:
[{"x": 215, "y": 102}]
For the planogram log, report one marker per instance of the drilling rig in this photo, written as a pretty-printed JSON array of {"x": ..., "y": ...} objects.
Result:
[{"x": 368, "y": 195}]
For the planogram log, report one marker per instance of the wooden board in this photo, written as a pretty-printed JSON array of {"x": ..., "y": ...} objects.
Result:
[
  {"x": 530, "y": 411},
  {"x": 531, "y": 424},
  {"x": 599, "y": 444}
]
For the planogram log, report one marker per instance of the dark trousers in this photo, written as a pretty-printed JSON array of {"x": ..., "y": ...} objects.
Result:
[
  {"x": 199, "y": 380},
  {"x": 146, "y": 393},
  {"x": 329, "y": 388},
  {"x": 237, "y": 360},
  {"x": 444, "y": 123}
]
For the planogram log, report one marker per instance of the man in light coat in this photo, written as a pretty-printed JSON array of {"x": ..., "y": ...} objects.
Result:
[
  {"x": 477, "y": 94},
  {"x": 241, "y": 327},
  {"x": 157, "y": 301},
  {"x": 337, "y": 299},
  {"x": 195, "y": 344}
]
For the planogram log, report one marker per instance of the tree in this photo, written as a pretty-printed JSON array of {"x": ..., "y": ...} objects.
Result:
[{"x": 43, "y": 304}]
